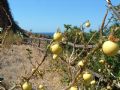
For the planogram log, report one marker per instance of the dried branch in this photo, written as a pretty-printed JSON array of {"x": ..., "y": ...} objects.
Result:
[
  {"x": 68, "y": 43},
  {"x": 86, "y": 58},
  {"x": 85, "y": 47},
  {"x": 108, "y": 22},
  {"x": 111, "y": 7},
  {"x": 43, "y": 59},
  {"x": 102, "y": 26},
  {"x": 98, "y": 45},
  {"x": 73, "y": 51},
  {"x": 74, "y": 80}
]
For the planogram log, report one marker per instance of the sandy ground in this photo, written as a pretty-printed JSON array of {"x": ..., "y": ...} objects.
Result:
[{"x": 14, "y": 64}]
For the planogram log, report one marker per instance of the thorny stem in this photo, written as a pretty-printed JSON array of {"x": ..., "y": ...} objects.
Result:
[
  {"x": 108, "y": 22},
  {"x": 73, "y": 50},
  {"x": 70, "y": 59},
  {"x": 43, "y": 59},
  {"x": 68, "y": 65},
  {"x": 111, "y": 7},
  {"x": 91, "y": 52},
  {"x": 84, "y": 47},
  {"x": 102, "y": 26},
  {"x": 101, "y": 32},
  {"x": 80, "y": 70},
  {"x": 74, "y": 80}
]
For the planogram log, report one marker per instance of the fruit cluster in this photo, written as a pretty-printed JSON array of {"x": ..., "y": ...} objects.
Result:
[
  {"x": 28, "y": 86},
  {"x": 55, "y": 47}
]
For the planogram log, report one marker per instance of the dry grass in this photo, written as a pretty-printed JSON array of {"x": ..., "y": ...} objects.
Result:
[{"x": 14, "y": 64}]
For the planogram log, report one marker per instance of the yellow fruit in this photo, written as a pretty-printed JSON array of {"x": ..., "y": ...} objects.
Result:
[
  {"x": 81, "y": 63},
  {"x": 102, "y": 61},
  {"x": 41, "y": 87},
  {"x": 27, "y": 86},
  {"x": 92, "y": 82},
  {"x": 87, "y": 24},
  {"x": 55, "y": 56},
  {"x": 74, "y": 88},
  {"x": 57, "y": 36},
  {"x": 110, "y": 48},
  {"x": 87, "y": 76},
  {"x": 56, "y": 49}
]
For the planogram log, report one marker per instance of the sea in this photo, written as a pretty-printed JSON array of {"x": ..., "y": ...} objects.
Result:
[{"x": 47, "y": 33}]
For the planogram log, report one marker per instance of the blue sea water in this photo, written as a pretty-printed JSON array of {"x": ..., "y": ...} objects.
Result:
[{"x": 47, "y": 33}]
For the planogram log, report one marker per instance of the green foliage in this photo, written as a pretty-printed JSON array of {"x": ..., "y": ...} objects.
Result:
[
  {"x": 71, "y": 33},
  {"x": 110, "y": 70}
]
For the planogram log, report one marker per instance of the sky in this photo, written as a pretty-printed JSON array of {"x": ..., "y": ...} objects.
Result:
[{"x": 47, "y": 15}]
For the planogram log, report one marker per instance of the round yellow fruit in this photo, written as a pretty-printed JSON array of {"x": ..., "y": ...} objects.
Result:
[
  {"x": 74, "y": 88},
  {"x": 87, "y": 24},
  {"x": 92, "y": 82},
  {"x": 110, "y": 48},
  {"x": 57, "y": 36},
  {"x": 27, "y": 86},
  {"x": 56, "y": 49},
  {"x": 80, "y": 63},
  {"x": 41, "y": 87},
  {"x": 102, "y": 61},
  {"x": 55, "y": 56},
  {"x": 87, "y": 76}
]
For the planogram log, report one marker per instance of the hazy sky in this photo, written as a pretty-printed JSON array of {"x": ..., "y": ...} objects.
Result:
[{"x": 47, "y": 15}]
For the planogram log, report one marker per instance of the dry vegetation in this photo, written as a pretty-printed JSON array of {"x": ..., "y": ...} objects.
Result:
[
  {"x": 14, "y": 64},
  {"x": 67, "y": 62}
]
